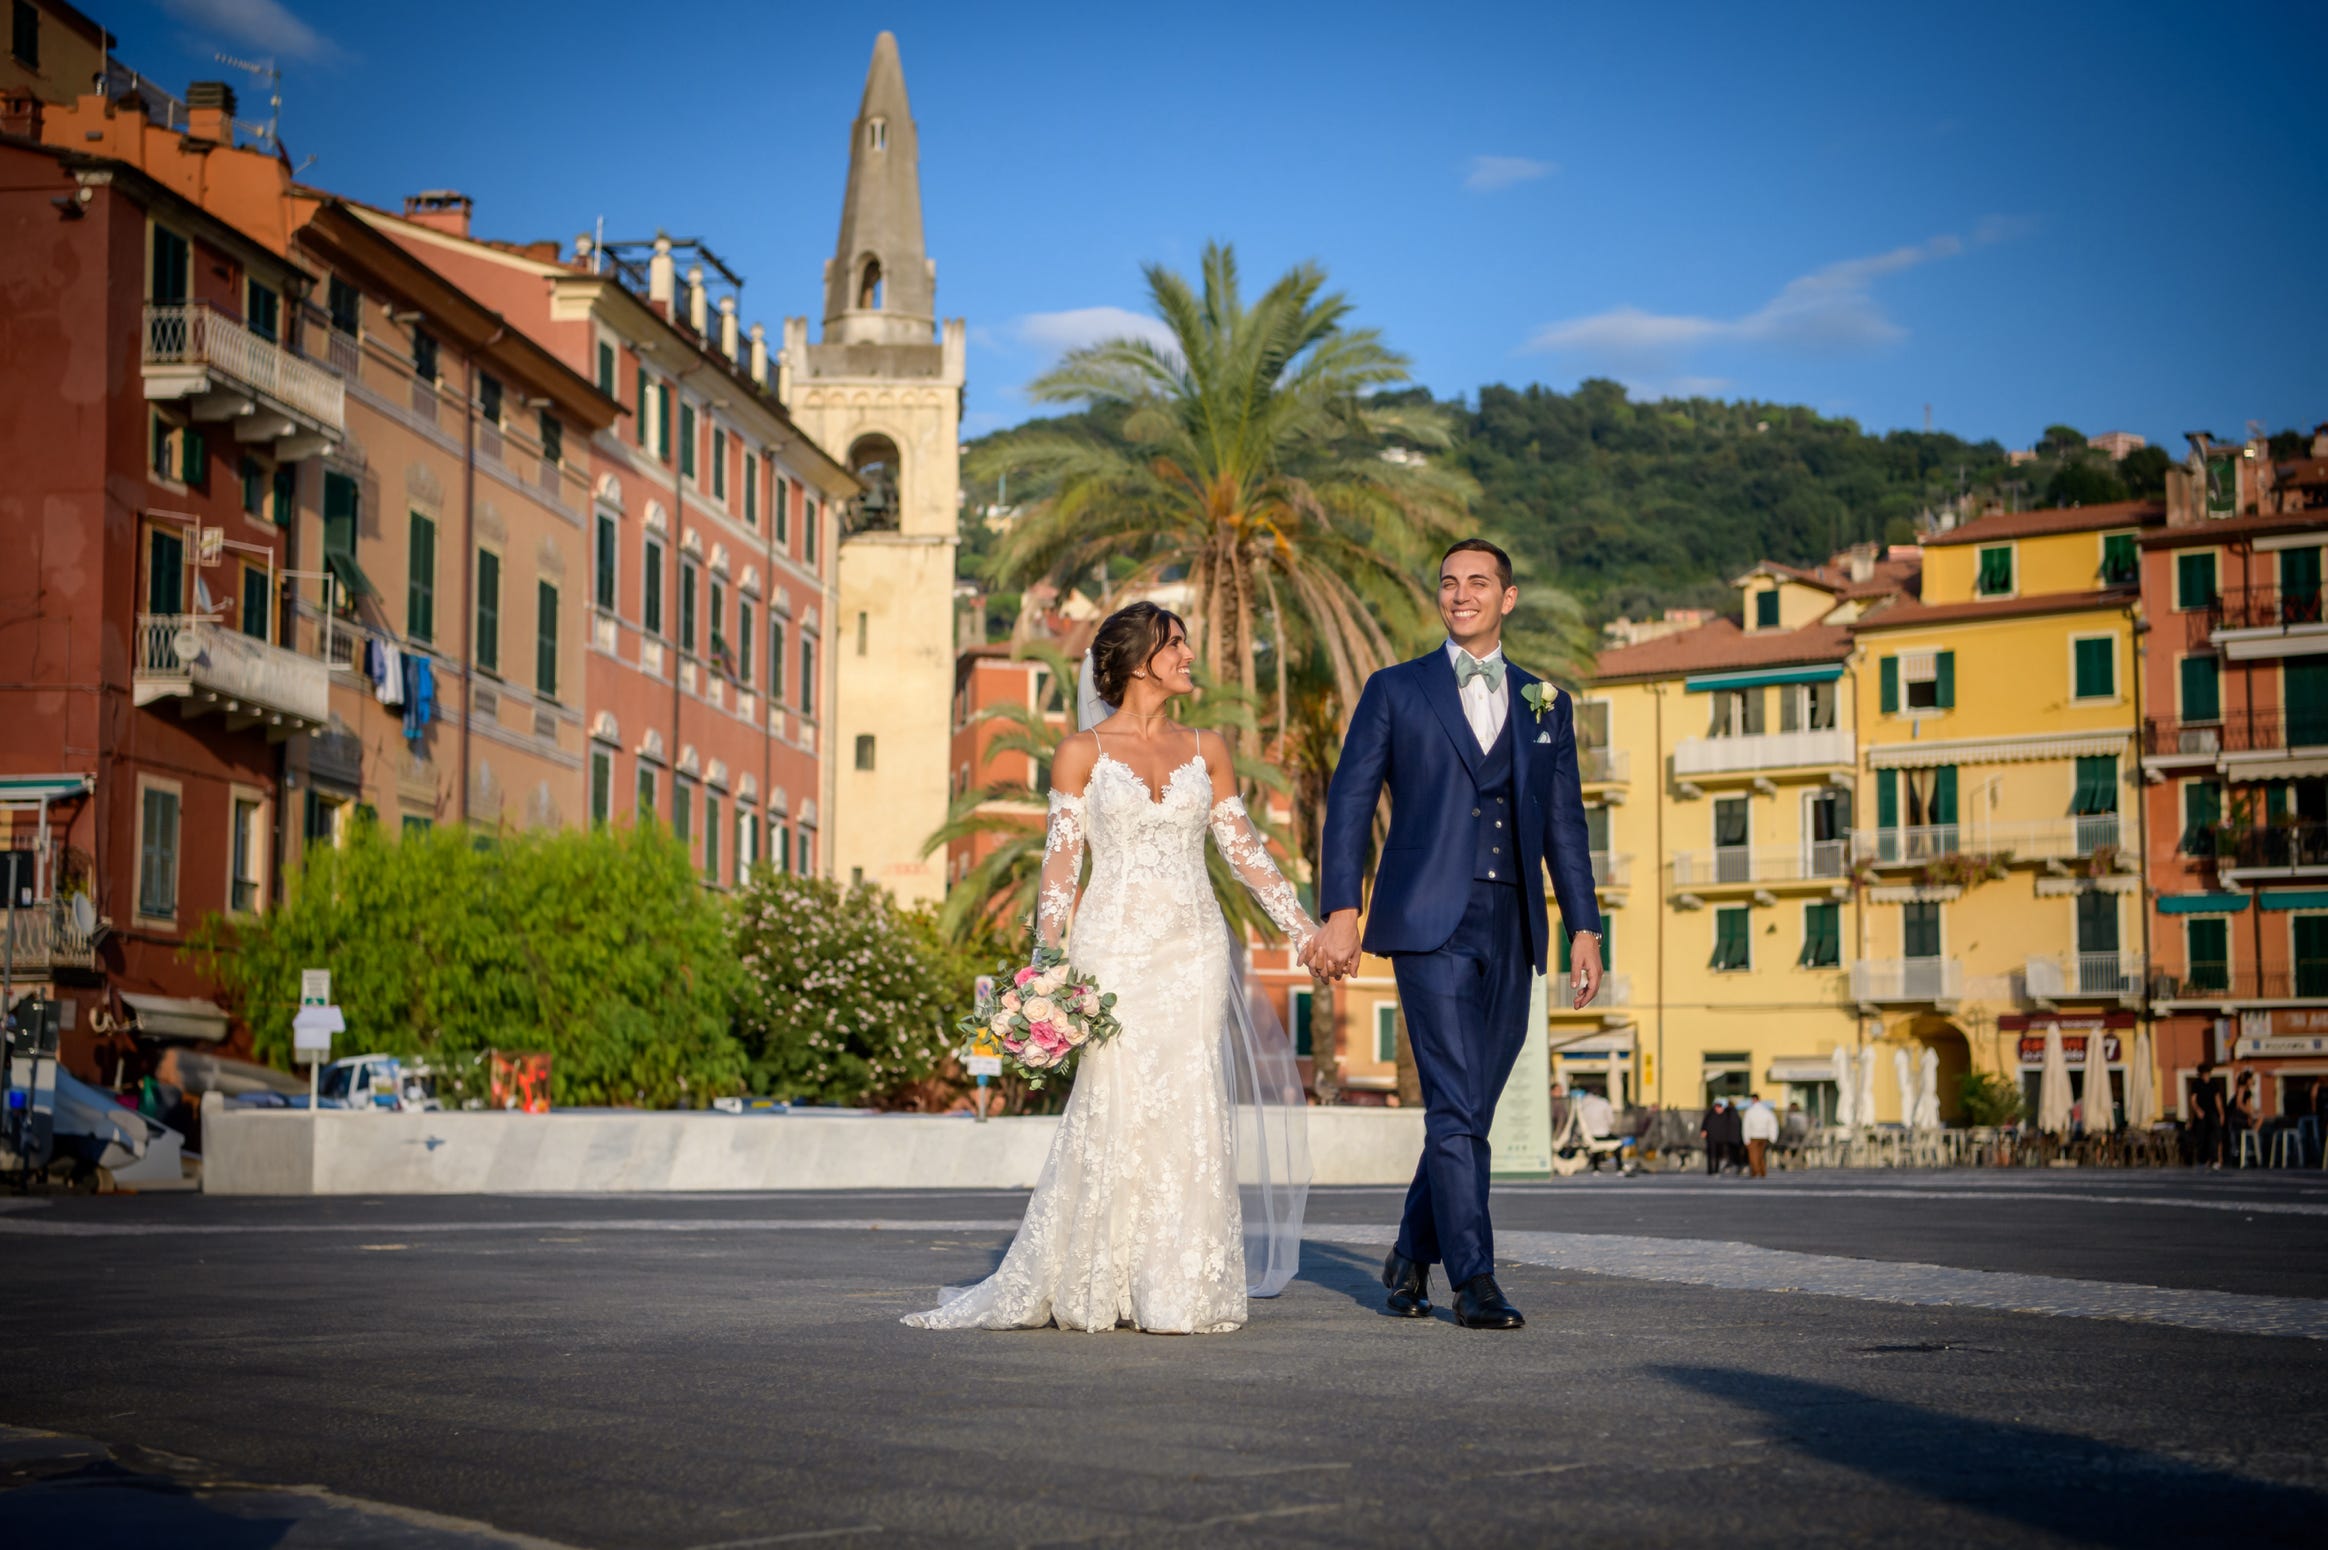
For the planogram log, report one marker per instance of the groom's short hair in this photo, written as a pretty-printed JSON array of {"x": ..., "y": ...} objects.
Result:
[{"x": 1503, "y": 561}]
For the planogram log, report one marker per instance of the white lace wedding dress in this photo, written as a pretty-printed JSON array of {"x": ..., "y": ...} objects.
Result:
[{"x": 1138, "y": 1216}]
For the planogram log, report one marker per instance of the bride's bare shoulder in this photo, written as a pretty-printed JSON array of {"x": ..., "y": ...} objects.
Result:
[
  {"x": 1071, "y": 765},
  {"x": 1218, "y": 764}
]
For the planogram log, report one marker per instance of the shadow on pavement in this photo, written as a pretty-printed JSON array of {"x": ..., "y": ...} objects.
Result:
[
  {"x": 2091, "y": 1492},
  {"x": 105, "y": 1504},
  {"x": 1357, "y": 1275}
]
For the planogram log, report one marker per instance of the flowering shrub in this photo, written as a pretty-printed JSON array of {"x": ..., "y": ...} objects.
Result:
[{"x": 846, "y": 998}]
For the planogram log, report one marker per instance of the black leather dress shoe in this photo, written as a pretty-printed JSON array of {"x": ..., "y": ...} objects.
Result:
[
  {"x": 1410, "y": 1286},
  {"x": 1480, "y": 1304}
]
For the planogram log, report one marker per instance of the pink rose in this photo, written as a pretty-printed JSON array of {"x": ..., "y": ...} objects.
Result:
[
  {"x": 1010, "y": 1000},
  {"x": 1025, "y": 974}
]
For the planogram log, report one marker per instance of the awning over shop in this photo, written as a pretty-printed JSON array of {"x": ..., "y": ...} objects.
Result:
[
  {"x": 1756, "y": 678},
  {"x": 43, "y": 789},
  {"x": 2203, "y": 903},
  {"x": 176, "y": 1017},
  {"x": 1803, "y": 1068},
  {"x": 2295, "y": 899}
]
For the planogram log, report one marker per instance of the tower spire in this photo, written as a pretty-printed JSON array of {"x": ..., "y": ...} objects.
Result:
[{"x": 880, "y": 288}]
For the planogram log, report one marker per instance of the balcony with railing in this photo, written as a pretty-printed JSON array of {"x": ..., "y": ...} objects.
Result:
[
  {"x": 269, "y": 393},
  {"x": 2246, "y": 731},
  {"x": 2113, "y": 976},
  {"x": 1612, "y": 869},
  {"x": 1828, "y": 748},
  {"x": 1820, "y": 861},
  {"x": 45, "y": 937},
  {"x": 2073, "y": 838},
  {"x": 2264, "y": 852},
  {"x": 1936, "y": 982},
  {"x": 2249, "y": 621},
  {"x": 208, "y": 667},
  {"x": 1615, "y": 990},
  {"x": 1604, "y": 766},
  {"x": 2213, "y": 983}
]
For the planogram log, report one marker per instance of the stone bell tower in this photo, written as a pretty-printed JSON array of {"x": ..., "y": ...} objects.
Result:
[{"x": 882, "y": 392}]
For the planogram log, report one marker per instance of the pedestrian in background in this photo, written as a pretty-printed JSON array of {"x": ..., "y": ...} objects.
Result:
[
  {"x": 1710, "y": 1128},
  {"x": 2205, "y": 1106},
  {"x": 1734, "y": 1135},
  {"x": 2241, "y": 1116},
  {"x": 1760, "y": 1124}
]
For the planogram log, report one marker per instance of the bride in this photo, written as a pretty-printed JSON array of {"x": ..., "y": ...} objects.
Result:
[{"x": 1175, "y": 1185}]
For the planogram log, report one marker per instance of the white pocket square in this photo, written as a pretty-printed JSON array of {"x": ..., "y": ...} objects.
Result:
[{"x": 1543, "y": 737}]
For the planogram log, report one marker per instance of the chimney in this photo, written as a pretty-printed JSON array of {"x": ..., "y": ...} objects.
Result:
[
  {"x": 1862, "y": 562},
  {"x": 729, "y": 345},
  {"x": 439, "y": 209},
  {"x": 210, "y": 112},
  {"x": 760, "y": 354},
  {"x": 662, "y": 276},
  {"x": 585, "y": 253},
  {"x": 20, "y": 115},
  {"x": 696, "y": 316},
  {"x": 2319, "y": 432}
]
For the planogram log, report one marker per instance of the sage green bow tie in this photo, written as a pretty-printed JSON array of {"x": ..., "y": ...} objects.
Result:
[{"x": 1468, "y": 667}]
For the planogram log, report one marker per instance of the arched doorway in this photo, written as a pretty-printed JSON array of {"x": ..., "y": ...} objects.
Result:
[
  {"x": 1954, "y": 1052},
  {"x": 873, "y": 459}
]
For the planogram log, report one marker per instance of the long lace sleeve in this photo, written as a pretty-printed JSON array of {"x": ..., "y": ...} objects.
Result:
[
  {"x": 1248, "y": 853},
  {"x": 1062, "y": 870}
]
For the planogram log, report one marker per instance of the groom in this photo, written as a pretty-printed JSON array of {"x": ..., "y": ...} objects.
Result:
[{"x": 1480, "y": 761}]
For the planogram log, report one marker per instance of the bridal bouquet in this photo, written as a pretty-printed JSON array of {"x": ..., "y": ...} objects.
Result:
[{"x": 1044, "y": 1015}]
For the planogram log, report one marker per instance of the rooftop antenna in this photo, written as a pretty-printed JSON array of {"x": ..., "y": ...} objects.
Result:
[{"x": 265, "y": 71}]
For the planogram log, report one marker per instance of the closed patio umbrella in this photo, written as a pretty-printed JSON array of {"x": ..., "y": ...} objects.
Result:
[
  {"x": 1905, "y": 1074},
  {"x": 1867, "y": 1087},
  {"x": 1927, "y": 1114},
  {"x": 2101, "y": 1115},
  {"x": 1846, "y": 1090},
  {"x": 2141, "y": 1085},
  {"x": 2053, "y": 1101}
]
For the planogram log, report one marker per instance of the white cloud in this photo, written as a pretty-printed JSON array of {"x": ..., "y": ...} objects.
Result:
[
  {"x": 1831, "y": 310},
  {"x": 262, "y": 26},
  {"x": 1059, "y": 332},
  {"x": 1490, "y": 173}
]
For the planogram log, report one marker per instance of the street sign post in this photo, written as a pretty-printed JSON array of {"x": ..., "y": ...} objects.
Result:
[{"x": 312, "y": 1029}]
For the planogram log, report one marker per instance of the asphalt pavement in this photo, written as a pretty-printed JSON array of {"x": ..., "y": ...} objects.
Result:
[{"x": 2037, "y": 1358}]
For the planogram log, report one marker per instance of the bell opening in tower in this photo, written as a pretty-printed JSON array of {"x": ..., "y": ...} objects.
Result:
[
  {"x": 874, "y": 460},
  {"x": 869, "y": 287}
]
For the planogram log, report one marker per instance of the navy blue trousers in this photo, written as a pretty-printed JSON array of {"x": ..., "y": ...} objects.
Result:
[{"x": 1467, "y": 1016}]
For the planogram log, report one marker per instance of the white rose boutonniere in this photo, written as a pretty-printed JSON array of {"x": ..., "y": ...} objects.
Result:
[{"x": 1540, "y": 697}]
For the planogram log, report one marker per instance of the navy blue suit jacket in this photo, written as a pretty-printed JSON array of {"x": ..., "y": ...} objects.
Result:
[{"x": 1409, "y": 734}]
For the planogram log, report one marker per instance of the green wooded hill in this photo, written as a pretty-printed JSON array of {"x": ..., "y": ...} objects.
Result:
[{"x": 1638, "y": 506}]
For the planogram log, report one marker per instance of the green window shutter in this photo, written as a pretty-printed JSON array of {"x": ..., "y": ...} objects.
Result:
[
  {"x": 286, "y": 499},
  {"x": 687, "y": 439},
  {"x": 651, "y": 585},
  {"x": 2311, "y": 943},
  {"x": 663, "y": 420},
  {"x": 2119, "y": 565},
  {"x": 1996, "y": 572},
  {"x": 2304, "y": 681},
  {"x": 2097, "y": 663},
  {"x": 646, "y": 792},
  {"x": 2097, "y": 785},
  {"x": 1889, "y": 672},
  {"x": 2202, "y": 689},
  {"x": 546, "y": 640},
  {"x": 1887, "y": 799},
  {"x": 1564, "y": 965},
  {"x": 1730, "y": 938},
  {"x": 710, "y": 837},
  {"x": 339, "y": 515},
  {"x": 601, "y": 787},
  {"x": 606, "y": 368},
  {"x": 1944, "y": 680},
  {"x": 2207, "y": 945},
  {"x": 420, "y": 580},
  {"x": 639, "y": 419},
  {"x": 682, "y": 811},
  {"x": 751, "y": 491},
  {"x": 1766, "y": 610},
  {"x": 1944, "y": 794},
  {"x": 1302, "y": 1036},
  {"x": 489, "y": 610},
  {"x": 603, "y": 581},
  {"x": 197, "y": 469},
  {"x": 1822, "y": 937},
  {"x": 2194, "y": 581}
]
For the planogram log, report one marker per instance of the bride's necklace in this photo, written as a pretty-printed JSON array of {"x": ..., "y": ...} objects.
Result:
[{"x": 1148, "y": 724}]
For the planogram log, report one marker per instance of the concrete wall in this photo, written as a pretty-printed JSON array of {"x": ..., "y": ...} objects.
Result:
[{"x": 276, "y": 1152}]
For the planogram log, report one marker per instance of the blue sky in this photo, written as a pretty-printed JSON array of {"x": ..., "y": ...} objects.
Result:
[{"x": 2017, "y": 214}]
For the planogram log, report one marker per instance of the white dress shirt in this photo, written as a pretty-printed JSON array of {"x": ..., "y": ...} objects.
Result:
[{"x": 1483, "y": 707}]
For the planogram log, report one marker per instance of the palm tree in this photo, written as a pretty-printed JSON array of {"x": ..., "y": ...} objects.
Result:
[{"x": 1253, "y": 462}]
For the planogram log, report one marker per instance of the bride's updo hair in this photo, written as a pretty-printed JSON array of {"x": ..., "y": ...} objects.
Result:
[{"x": 1125, "y": 642}]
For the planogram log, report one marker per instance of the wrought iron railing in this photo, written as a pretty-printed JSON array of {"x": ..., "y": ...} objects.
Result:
[
  {"x": 2239, "y": 731},
  {"x": 2265, "y": 607},
  {"x": 2279, "y": 846}
]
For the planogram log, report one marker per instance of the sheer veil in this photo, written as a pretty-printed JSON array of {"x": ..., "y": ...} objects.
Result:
[{"x": 1273, "y": 1163}]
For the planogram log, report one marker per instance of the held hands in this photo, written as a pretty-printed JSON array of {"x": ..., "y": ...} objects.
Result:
[
  {"x": 1584, "y": 968},
  {"x": 1332, "y": 954}
]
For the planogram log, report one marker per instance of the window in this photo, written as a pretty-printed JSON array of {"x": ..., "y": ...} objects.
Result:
[
  {"x": 807, "y": 674},
  {"x": 424, "y": 355},
  {"x": 2194, "y": 580},
  {"x": 2310, "y": 933},
  {"x": 779, "y": 508},
  {"x": 1806, "y": 707},
  {"x": 340, "y": 496},
  {"x": 2207, "y": 949},
  {"x": 751, "y": 491},
  {"x": 651, "y": 594},
  {"x": 263, "y": 311},
  {"x": 718, "y": 620},
  {"x": 781, "y": 846},
  {"x": 165, "y": 571},
  {"x": 1766, "y": 609},
  {"x": 1733, "y": 929},
  {"x": 663, "y": 421},
  {"x": 1920, "y": 929},
  {"x": 687, "y": 607},
  {"x": 2202, "y": 688},
  {"x": 811, "y": 514},
  {"x": 553, "y": 439},
  {"x": 346, "y": 306},
  {"x": 172, "y": 266},
  {"x": 606, "y": 383},
  {"x": 2097, "y": 785},
  {"x": 718, "y": 464},
  {"x": 2202, "y": 814},
  {"x": 2097, "y": 924},
  {"x": 257, "y": 603},
  {"x": 744, "y": 638},
  {"x": 1298, "y": 1003},
  {"x": 776, "y": 661},
  {"x": 747, "y": 843},
  {"x": 546, "y": 640},
  {"x": 711, "y": 836},
  {"x": 2304, "y": 690},
  {"x": 286, "y": 494},
  {"x": 24, "y": 35},
  {"x": 1822, "y": 936},
  {"x": 323, "y": 818},
  {"x": 864, "y": 750},
  {"x": 489, "y": 611},
  {"x": 1386, "y": 1032},
  {"x": 2120, "y": 567},
  {"x": 416, "y": 825},
  {"x": 254, "y": 486},
  {"x": 645, "y": 808},
  {"x": 1996, "y": 572},
  {"x": 1737, "y": 713},
  {"x": 2094, "y": 667},
  {"x": 640, "y": 418},
  {"x": 489, "y": 398},
  {"x": 861, "y": 631},
  {"x": 804, "y": 857},
  {"x": 683, "y": 812},
  {"x": 181, "y": 454},
  {"x": 420, "y": 580},
  {"x": 602, "y": 579},
  {"x": 1733, "y": 860},
  {"x": 246, "y": 841},
  {"x": 601, "y": 787},
  {"x": 157, "y": 853},
  {"x": 1928, "y": 677},
  {"x": 687, "y": 440}
]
